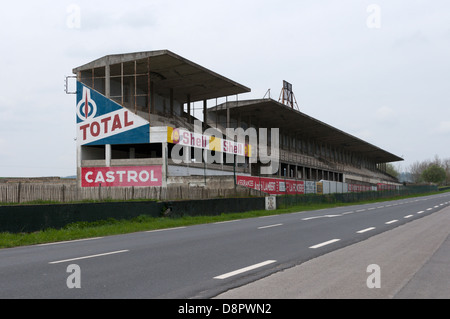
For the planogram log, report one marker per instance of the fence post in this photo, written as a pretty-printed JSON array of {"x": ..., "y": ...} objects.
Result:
[{"x": 19, "y": 189}]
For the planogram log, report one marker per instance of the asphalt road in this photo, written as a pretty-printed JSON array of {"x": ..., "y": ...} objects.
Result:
[{"x": 201, "y": 261}]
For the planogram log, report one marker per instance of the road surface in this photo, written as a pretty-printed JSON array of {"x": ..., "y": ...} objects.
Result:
[{"x": 213, "y": 260}]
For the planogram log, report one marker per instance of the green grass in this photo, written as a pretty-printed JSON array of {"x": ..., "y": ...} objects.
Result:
[{"x": 82, "y": 230}]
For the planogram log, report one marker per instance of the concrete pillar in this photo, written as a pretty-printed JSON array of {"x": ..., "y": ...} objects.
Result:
[
  {"x": 108, "y": 155},
  {"x": 205, "y": 112},
  {"x": 165, "y": 168},
  {"x": 108, "y": 81},
  {"x": 79, "y": 158},
  {"x": 189, "y": 107},
  {"x": 171, "y": 102}
]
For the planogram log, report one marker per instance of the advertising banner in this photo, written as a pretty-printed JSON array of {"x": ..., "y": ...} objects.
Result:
[
  {"x": 212, "y": 143},
  {"x": 101, "y": 121},
  {"x": 272, "y": 186},
  {"x": 126, "y": 176}
]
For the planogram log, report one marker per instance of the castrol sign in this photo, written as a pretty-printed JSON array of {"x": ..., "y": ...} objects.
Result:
[{"x": 125, "y": 176}]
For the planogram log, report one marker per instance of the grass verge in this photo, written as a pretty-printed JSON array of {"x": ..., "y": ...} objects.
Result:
[{"x": 82, "y": 230}]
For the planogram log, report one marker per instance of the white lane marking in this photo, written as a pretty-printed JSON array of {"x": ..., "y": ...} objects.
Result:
[
  {"x": 408, "y": 216},
  {"x": 436, "y": 206},
  {"x": 323, "y": 216},
  {"x": 270, "y": 226},
  {"x": 365, "y": 230},
  {"x": 325, "y": 243},
  {"x": 242, "y": 270},
  {"x": 429, "y": 208},
  {"x": 69, "y": 241},
  {"x": 167, "y": 229},
  {"x": 361, "y": 210},
  {"x": 421, "y": 212},
  {"x": 87, "y": 257},
  {"x": 380, "y": 207},
  {"x": 227, "y": 221},
  {"x": 392, "y": 221}
]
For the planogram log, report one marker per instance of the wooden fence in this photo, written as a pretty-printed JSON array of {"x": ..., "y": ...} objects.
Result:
[{"x": 31, "y": 192}]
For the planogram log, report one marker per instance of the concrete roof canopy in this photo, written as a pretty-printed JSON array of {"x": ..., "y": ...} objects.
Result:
[
  {"x": 276, "y": 115},
  {"x": 171, "y": 71}
]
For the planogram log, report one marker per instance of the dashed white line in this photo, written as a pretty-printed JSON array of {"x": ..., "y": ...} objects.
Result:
[
  {"x": 429, "y": 208},
  {"x": 408, "y": 216},
  {"x": 69, "y": 241},
  {"x": 365, "y": 230},
  {"x": 227, "y": 221},
  {"x": 270, "y": 226},
  {"x": 87, "y": 257},
  {"x": 161, "y": 230},
  {"x": 325, "y": 243},
  {"x": 421, "y": 212},
  {"x": 240, "y": 271},
  {"x": 392, "y": 221}
]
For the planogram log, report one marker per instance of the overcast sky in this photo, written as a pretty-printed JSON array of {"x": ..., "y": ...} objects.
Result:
[{"x": 379, "y": 70}]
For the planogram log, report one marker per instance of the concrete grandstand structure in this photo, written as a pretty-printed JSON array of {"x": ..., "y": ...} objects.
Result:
[{"x": 134, "y": 111}]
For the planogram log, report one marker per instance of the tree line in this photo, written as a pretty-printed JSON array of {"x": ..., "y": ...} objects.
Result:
[{"x": 436, "y": 171}]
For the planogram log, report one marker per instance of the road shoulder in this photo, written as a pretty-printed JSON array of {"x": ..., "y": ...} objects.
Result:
[{"x": 412, "y": 258}]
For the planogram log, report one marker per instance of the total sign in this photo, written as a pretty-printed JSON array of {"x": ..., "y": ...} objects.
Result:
[{"x": 101, "y": 121}]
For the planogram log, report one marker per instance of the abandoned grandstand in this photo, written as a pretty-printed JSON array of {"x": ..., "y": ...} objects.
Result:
[{"x": 137, "y": 128}]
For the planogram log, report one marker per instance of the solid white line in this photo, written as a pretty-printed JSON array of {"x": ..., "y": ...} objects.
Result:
[
  {"x": 392, "y": 221},
  {"x": 69, "y": 241},
  {"x": 167, "y": 229},
  {"x": 365, "y": 230},
  {"x": 240, "y": 271},
  {"x": 408, "y": 216},
  {"x": 324, "y": 244},
  {"x": 270, "y": 226},
  {"x": 87, "y": 257}
]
